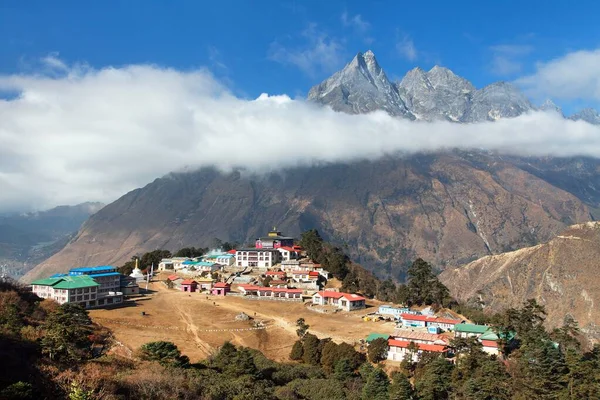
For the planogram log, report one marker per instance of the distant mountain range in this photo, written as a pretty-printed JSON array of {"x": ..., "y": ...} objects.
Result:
[
  {"x": 438, "y": 94},
  {"x": 26, "y": 239}
]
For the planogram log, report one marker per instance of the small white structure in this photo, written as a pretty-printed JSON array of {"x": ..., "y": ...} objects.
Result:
[
  {"x": 137, "y": 273},
  {"x": 344, "y": 301}
]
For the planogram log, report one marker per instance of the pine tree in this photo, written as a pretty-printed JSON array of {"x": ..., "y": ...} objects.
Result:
[
  {"x": 376, "y": 386},
  {"x": 342, "y": 370},
  {"x": 434, "y": 380},
  {"x": 401, "y": 389},
  {"x": 311, "y": 350},
  {"x": 377, "y": 350},
  {"x": 297, "y": 351}
]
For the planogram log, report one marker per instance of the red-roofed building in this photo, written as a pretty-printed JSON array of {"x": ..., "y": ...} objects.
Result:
[
  {"x": 302, "y": 276},
  {"x": 345, "y": 301},
  {"x": 288, "y": 253},
  {"x": 189, "y": 285},
  {"x": 444, "y": 323},
  {"x": 276, "y": 274},
  {"x": 490, "y": 346},
  {"x": 172, "y": 277},
  {"x": 221, "y": 289},
  {"x": 422, "y": 321},
  {"x": 398, "y": 349},
  {"x": 263, "y": 292},
  {"x": 231, "y": 252}
]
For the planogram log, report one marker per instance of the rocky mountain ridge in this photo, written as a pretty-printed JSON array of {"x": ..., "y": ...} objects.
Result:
[
  {"x": 560, "y": 274},
  {"x": 438, "y": 94}
]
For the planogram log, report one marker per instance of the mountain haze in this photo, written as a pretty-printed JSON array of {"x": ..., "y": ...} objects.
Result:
[{"x": 26, "y": 239}]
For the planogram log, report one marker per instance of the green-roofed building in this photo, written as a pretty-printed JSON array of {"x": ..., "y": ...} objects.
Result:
[
  {"x": 76, "y": 289},
  {"x": 491, "y": 335},
  {"x": 373, "y": 336},
  {"x": 469, "y": 330}
]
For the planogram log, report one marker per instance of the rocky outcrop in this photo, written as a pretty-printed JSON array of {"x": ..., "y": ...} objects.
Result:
[
  {"x": 561, "y": 274},
  {"x": 438, "y": 94}
]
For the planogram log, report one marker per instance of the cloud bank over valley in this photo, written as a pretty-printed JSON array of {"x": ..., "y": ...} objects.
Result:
[{"x": 74, "y": 133}]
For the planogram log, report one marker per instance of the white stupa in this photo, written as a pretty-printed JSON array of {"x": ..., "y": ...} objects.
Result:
[{"x": 137, "y": 273}]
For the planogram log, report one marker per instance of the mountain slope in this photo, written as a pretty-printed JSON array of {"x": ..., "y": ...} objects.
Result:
[
  {"x": 26, "y": 239},
  {"x": 561, "y": 274},
  {"x": 447, "y": 208}
]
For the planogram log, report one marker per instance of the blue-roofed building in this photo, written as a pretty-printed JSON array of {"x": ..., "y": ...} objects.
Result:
[
  {"x": 203, "y": 266},
  {"x": 107, "y": 277},
  {"x": 92, "y": 270},
  {"x": 395, "y": 312},
  {"x": 225, "y": 259}
]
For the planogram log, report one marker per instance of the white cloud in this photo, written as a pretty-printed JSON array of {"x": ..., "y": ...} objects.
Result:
[
  {"x": 574, "y": 76},
  {"x": 356, "y": 22},
  {"x": 406, "y": 48},
  {"x": 320, "y": 53},
  {"x": 96, "y": 134},
  {"x": 507, "y": 58}
]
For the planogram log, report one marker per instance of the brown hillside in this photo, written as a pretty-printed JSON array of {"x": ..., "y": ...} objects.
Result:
[
  {"x": 447, "y": 208},
  {"x": 561, "y": 274}
]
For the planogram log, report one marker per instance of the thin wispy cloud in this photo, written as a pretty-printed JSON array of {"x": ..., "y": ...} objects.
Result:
[
  {"x": 358, "y": 24},
  {"x": 94, "y": 134},
  {"x": 507, "y": 59},
  {"x": 356, "y": 21},
  {"x": 574, "y": 76},
  {"x": 318, "y": 53},
  {"x": 406, "y": 48},
  {"x": 215, "y": 58}
]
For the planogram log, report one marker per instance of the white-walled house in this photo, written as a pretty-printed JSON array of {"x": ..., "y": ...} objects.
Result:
[
  {"x": 258, "y": 258},
  {"x": 398, "y": 349},
  {"x": 172, "y": 264},
  {"x": 86, "y": 286},
  {"x": 288, "y": 253},
  {"x": 82, "y": 290},
  {"x": 304, "y": 276},
  {"x": 345, "y": 301},
  {"x": 225, "y": 259}
]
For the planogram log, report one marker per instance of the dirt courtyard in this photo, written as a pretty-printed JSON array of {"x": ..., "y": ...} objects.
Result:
[{"x": 198, "y": 326}]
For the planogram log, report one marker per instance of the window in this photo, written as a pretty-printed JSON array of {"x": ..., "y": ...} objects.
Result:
[{"x": 86, "y": 290}]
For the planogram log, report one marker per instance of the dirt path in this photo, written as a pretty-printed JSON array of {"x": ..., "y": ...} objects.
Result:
[{"x": 187, "y": 318}]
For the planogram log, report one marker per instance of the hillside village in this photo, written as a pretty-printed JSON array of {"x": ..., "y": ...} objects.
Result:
[{"x": 276, "y": 270}]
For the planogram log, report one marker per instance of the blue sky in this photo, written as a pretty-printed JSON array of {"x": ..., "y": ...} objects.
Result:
[
  {"x": 88, "y": 86},
  {"x": 288, "y": 46}
]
